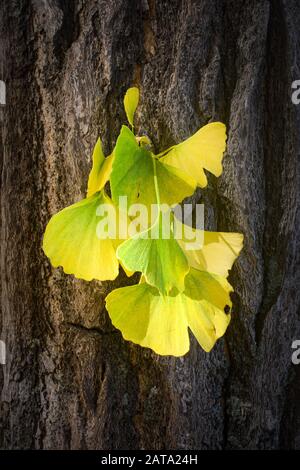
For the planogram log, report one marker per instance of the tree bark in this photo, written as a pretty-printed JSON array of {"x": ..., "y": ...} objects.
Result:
[{"x": 71, "y": 381}]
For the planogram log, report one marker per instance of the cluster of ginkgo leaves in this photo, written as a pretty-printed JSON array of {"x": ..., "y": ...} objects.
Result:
[{"x": 179, "y": 288}]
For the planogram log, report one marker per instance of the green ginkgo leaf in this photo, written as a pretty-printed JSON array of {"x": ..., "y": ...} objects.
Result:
[
  {"x": 131, "y": 101},
  {"x": 74, "y": 239},
  {"x": 160, "y": 259},
  {"x": 161, "y": 323},
  {"x": 101, "y": 170},
  {"x": 133, "y": 175},
  {"x": 203, "y": 150}
]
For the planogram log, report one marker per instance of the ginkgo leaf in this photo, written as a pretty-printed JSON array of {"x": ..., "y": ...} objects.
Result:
[
  {"x": 161, "y": 322},
  {"x": 73, "y": 240},
  {"x": 133, "y": 175},
  {"x": 101, "y": 170},
  {"x": 149, "y": 319},
  {"x": 209, "y": 287},
  {"x": 209, "y": 296},
  {"x": 203, "y": 150},
  {"x": 161, "y": 260},
  {"x": 131, "y": 101},
  {"x": 220, "y": 250},
  {"x": 217, "y": 253}
]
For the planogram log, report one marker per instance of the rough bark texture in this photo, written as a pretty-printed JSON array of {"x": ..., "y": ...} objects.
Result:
[{"x": 71, "y": 381}]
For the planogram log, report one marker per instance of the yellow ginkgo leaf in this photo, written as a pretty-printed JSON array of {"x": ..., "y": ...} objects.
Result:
[
  {"x": 218, "y": 252},
  {"x": 161, "y": 322},
  {"x": 203, "y": 150},
  {"x": 75, "y": 240},
  {"x": 149, "y": 319},
  {"x": 131, "y": 100},
  {"x": 100, "y": 171},
  {"x": 209, "y": 296}
]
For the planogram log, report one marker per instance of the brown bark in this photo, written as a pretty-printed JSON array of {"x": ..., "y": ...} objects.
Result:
[{"x": 70, "y": 380}]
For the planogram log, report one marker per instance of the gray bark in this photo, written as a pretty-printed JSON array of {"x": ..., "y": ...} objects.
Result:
[{"x": 71, "y": 381}]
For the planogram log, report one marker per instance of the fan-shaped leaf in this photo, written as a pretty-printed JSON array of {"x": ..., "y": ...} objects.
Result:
[
  {"x": 217, "y": 253},
  {"x": 161, "y": 322},
  {"x": 161, "y": 260},
  {"x": 203, "y": 150},
  {"x": 72, "y": 240},
  {"x": 133, "y": 175}
]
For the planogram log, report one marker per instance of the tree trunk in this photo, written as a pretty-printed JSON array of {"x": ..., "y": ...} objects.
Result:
[{"x": 70, "y": 380}]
